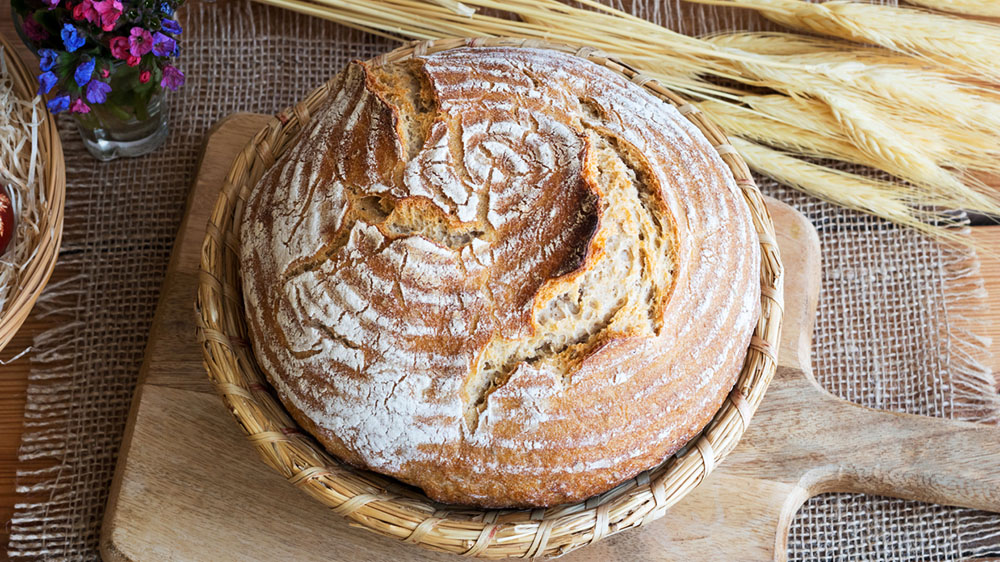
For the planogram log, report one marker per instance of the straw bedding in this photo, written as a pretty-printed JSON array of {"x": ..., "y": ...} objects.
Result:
[{"x": 32, "y": 179}]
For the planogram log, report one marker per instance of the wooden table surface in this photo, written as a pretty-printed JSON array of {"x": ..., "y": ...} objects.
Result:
[{"x": 13, "y": 376}]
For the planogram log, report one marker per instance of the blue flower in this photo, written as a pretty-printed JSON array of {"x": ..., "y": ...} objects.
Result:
[
  {"x": 83, "y": 73},
  {"x": 46, "y": 81},
  {"x": 71, "y": 37},
  {"x": 60, "y": 103},
  {"x": 48, "y": 58},
  {"x": 163, "y": 46},
  {"x": 171, "y": 26},
  {"x": 166, "y": 9},
  {"x": 97, "y": 91}
]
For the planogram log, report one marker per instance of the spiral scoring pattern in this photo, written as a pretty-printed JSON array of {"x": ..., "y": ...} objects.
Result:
[{"x": 507, "y": 276}]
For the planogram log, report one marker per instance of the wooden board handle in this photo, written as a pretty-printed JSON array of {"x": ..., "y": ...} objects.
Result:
[
  {"x": 819, "y": 443},
  {"x": 922, "y": 458}
]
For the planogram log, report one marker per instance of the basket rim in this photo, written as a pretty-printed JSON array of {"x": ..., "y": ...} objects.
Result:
[
  {"x": 36, "y": 275},
  {"x": 388, "y": 507}
]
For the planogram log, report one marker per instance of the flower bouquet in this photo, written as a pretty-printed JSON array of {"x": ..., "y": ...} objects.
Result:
[{"x": 108, "y": 63}]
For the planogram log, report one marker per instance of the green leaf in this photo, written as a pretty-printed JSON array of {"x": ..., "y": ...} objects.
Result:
[
  {"x": 142, "y": 89},
  {"x": 142, "y": 107},
  {"x": 65, "y": 62},
  {"x": 119, "y": 112}
]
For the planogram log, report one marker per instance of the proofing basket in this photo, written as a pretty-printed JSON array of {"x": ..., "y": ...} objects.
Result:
[
  {"x": 32, "y": 279},
  {"x": 393, "y": 509}
]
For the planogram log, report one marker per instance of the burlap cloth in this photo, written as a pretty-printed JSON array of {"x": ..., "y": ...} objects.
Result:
[{"x": 890, "y": 331}]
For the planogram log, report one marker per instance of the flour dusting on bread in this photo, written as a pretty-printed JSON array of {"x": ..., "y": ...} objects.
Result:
[{"x": 505, "y": 275}]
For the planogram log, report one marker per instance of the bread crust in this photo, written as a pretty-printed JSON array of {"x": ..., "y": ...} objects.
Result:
[{"x": 507, "y": 276}]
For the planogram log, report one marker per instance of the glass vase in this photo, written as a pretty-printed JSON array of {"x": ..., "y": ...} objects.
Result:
[
  {"x": 128, "y": 124},
  {"x": 111, "y": 132}
]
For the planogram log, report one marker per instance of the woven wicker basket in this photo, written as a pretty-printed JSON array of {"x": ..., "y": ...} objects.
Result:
[
  {"x": 34, "y": 277},
  {"x": 395, "y": 510}
]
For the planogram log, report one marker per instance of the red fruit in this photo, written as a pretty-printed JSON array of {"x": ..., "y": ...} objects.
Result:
[{"x": 6, "y": 222}]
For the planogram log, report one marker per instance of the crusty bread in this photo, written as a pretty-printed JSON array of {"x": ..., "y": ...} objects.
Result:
[{"x": 507, "y": 276}]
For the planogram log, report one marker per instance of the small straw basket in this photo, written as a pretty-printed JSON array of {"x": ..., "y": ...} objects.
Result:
[
  {"x": 392, "y": 509},
  {"x": 33, "y": 278}
]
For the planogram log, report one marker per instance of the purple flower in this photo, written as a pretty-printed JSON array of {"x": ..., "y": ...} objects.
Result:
[
  {"x": 140, "y": 42},
  {"x": 46, "y": 81},
  {"x": 47, "y": 58},
  {"x": 34, "y": 30},
  {"x": 83, "y": 73},
  {"x": 97, "y": 91},
  {"x": 163, "y": 46},
  {"x": 170, "y": 26},
  {"x": 59, "y": 103},
  {"x": 172, "y": 78},
  {"x": 51, "y": 4},
  {"x": 71, "y": 37}
]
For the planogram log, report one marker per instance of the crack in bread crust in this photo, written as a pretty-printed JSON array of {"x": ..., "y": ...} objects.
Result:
[
  {"x": 473, "y": 263},
  {"x": 617, "y": 177}
]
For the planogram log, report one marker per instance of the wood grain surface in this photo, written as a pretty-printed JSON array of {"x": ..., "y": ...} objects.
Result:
[{"x": 189, "y": 486}]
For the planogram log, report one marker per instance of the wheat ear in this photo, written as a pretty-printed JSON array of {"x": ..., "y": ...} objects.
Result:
[
  {"x": 973, "y": 47},
  {"x": 848, "y": 190},
  {"x": 984, "y": 8}
]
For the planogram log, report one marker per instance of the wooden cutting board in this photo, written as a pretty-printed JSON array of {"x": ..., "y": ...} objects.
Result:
[{"x": 189, "y": 486}]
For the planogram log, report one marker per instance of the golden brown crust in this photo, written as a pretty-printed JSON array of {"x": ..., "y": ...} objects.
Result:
[{"x": 506, "y": 276}]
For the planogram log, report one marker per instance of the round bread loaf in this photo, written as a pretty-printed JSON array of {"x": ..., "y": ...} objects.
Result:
[{"x": 507, "y": 276}]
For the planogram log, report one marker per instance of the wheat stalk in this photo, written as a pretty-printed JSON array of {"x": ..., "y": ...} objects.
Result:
[
  {"x": 778, "y": 43},
  {"x": 972, "y": 46},
  {"x": 891, "y": 80},
  {"x": 455, "y": 6},
  {"x": 843, "y": 188},
  {"x": 949, "y": 149},
  {"x": 934, "y": 99},
  {"x": 985, "y": 8},
  {"x": 856, "y": 95},
  {"x": 806, "y": 130}
]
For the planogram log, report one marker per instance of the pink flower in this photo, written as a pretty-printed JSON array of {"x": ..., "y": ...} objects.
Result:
[
  {"x": 133, "y": 60},
  {"x": 78, "y": 106},
  {"x": 34, "y": 30},
  {"x": 85, "y": 11},
  {"x": 119, "y": 48},
  {"x": 144, "y": 76},
  {"x": 105, "y": 73},
  {"x": 109, "y": 11},
  {"x": 140, "y": 41}
]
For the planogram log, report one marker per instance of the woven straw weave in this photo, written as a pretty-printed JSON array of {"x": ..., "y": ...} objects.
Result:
[{"x": 913, "y": 356}]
